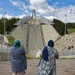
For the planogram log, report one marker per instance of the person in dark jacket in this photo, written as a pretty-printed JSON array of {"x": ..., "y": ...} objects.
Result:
[
  {"x": 47, "y": 65},
  {"x": 18, "y": 59}
]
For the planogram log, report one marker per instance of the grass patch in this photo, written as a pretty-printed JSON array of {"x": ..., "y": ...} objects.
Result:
[
  {"x": 29, "y": 56},
  {"x": 10, "y": 40},
  {"x": 71, "y": 31}
]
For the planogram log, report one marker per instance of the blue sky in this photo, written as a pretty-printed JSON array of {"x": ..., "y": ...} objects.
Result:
[
  {"x": 61, "y": 2},
  {"x": 46, "y": 8}
]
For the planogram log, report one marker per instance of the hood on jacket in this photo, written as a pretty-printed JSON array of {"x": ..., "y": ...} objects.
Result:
[
  {"x": 17, "y": 43},
  {"x": 50, "y": 43}
]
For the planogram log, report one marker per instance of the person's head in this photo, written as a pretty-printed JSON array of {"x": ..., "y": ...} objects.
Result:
[
  {"x": 17, "y": 43},
  {"x": 50, "y": 43}
]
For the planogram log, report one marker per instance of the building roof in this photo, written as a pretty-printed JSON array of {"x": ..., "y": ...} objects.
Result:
[
  {"x": 44, "y": 20},
  {"x": 27, "y": 18},
  {"x": 22, "y": 21}
]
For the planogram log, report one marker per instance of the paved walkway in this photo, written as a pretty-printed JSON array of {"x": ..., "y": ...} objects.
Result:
[{"x": 5, "y": 69}]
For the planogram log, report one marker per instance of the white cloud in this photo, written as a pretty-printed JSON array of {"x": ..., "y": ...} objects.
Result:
[
  {"x": 38, "y": 2},
  {"x": 49, "y": 17},
  {"x": 0, "y": 16},
  {"x": 32, "y": 7},
  {"x": 20, "y": 16},
  {"x": 1, "y": 9},
  {"x": 41, "y": 7},
  {"x": 66, "y": 10},
  {"x": 56, "y": 3},
  {"x": 8, "y": 16},
  {"x": 41, "y": 11},
  {"x": 44, "y": 9},
  {"x": 14, "y": 2},
  {"x": 19, "y": 4}
]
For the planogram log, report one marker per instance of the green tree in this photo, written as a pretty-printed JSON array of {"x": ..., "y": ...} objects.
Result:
[
  {"x": 8, "y": 23},
  {"x": 59, "y": 26}
]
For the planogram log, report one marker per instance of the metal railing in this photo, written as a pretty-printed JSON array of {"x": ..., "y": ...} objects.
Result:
[{"x": 4, "y": 51}]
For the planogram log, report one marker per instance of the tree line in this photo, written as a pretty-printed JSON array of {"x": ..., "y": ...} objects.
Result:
[
  {"x": 58, "y": 25},
  {"x": 8, "y": 24}
]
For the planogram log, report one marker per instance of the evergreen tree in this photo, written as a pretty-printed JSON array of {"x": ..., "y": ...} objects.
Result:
[{"x": 59, "y": 26}]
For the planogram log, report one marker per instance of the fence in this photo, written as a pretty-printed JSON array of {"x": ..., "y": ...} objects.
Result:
[
  {"x": 4, "y": 51},
  {"x": 66, "y": 61}
]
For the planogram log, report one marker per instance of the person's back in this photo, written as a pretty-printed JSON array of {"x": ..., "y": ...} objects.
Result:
[
  {"x": 17, "y": 52},
  {"x": 47, "y": 65},
  {"x": 18, "y": 59},
  {"x": 53, "y": 55}
]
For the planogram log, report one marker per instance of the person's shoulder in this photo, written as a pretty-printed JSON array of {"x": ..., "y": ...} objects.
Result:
[
  {"x": 11, "y": 47},
  {"x": 55, "y": 49},
  {"x": 22, "y": 48},
  {"x": 45, "y": 47}
]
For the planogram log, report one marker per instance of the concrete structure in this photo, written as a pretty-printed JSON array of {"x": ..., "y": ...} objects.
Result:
[
  {"x": 34, "y": 32},
  {"x": 66, "y": 46}
]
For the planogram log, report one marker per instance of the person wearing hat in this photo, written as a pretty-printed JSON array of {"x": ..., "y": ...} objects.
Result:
[
  {"x": 18, "y": 59},
  {"x": 47, "y": 64}
]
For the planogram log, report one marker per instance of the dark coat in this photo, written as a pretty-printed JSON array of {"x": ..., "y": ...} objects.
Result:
[
  {"x": 18, "y": 59},
  {"x": 47, "y": 65},
  {"x": 45, "y": 53}
]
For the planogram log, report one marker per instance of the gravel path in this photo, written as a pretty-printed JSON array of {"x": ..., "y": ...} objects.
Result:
[{"x": 5, "y": 68}]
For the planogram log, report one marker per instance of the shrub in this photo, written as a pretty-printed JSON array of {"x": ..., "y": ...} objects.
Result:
[{"x": 10, "y": 40}]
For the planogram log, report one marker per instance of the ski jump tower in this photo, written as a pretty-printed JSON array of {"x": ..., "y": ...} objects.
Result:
[{"x": 34, "y": 32}]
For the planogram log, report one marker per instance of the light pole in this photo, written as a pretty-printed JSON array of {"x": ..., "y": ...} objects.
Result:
[
  {"x": 4, "y": 24},
  {"x": 15, "y": 13},
  {"x": 53, "y": 15},
  {"x": 65, "y": 24},
  {"x": 70, "y": 10},
  {"x": 54, "y": 12}
]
